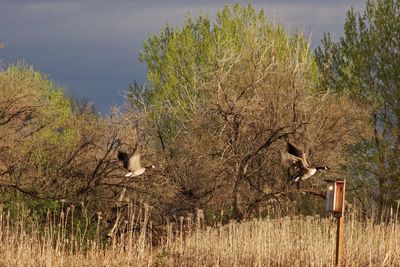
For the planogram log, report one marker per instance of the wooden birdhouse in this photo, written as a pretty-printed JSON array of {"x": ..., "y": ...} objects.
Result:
[{"x": 335, "y": 196}]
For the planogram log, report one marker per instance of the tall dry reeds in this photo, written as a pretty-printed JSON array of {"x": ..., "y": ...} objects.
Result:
[
  {"x": 297, "y": 241},
  {"x": 286, "y": 241},
  {"x": 26, "y": 242}
]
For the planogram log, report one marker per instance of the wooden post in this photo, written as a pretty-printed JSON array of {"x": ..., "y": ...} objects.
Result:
[
  {"x": 339, "y": 206},
  {"x": 339, "y": 241},
  {"x": 335, "y": 200}
]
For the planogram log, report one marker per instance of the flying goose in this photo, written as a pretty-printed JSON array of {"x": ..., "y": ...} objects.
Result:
[
  {"x": 132, "y": 163},
  {"x": 298, "y": 167}
]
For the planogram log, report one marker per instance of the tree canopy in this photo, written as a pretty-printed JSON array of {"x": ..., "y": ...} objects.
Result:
[
  {"x": 225, "y": 96},
  {"x": 180, "y": 60},
  {"x": 365, "y": 64}
]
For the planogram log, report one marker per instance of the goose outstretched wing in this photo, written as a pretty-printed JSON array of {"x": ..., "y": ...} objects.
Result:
[
  {"x": 290, "y": 160},
  {"x": 124, "y": 157},
  {"x": 295, "y": 151},
  {"x": 134, "y": 162}
]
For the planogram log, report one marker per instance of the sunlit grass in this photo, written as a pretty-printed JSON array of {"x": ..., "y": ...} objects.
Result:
[{"x": 287, "y": 241}]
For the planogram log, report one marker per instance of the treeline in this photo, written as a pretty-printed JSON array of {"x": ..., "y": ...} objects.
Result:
[
  {"x": 221, "y": 101},
  {"x": 56, "y": 153}
]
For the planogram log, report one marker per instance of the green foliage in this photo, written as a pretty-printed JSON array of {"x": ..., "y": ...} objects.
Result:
[
  {"x": 177, "y": 61},
  {"x": 49, "y": 112},
  {"x": 15, "y": 203},
  {"x": 180, "y": 60},
  {"x": 35, "y": 116},
  {"x": 52, "y": 104},
  {"x": 365, "y": 63},
  {"x": 54, "y": 148},
  {"x": 225, "y": 95}
]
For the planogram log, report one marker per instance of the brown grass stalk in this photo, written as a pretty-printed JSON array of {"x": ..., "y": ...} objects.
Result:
[{"x": 286, "y": 241}]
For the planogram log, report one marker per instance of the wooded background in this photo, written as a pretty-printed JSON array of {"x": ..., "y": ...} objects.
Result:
[{"x": 222, "y": 99}]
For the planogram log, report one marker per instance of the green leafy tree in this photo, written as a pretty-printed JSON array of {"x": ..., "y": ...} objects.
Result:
[
  {"x": 177, "y": 62},
  {"x": 224, "y": 96},
  {"x": 180, "y": 60},
  {"x": 53, "y": 150},
  {"x": 33, "y": 116},
  {"x": 365, "y": 63}
]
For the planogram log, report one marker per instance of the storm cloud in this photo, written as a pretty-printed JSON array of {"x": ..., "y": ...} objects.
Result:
[{"x": 91, "y": 47}]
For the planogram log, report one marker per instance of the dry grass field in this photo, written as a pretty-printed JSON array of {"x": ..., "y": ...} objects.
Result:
[{"x": 288, "y": 241}]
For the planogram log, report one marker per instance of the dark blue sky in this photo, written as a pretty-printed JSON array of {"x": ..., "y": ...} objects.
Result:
[{"x": 91, "y": 47}]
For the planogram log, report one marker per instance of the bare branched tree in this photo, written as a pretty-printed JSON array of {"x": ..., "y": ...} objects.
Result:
[{"x": 228, "y": 157}]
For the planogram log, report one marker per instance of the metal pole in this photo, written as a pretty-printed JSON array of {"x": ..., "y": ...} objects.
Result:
[{"x": 339, "y": 240}]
